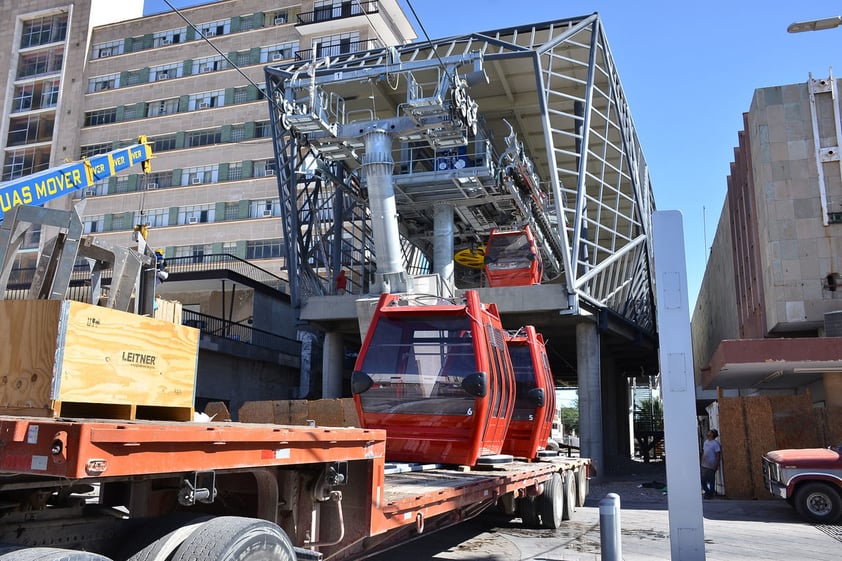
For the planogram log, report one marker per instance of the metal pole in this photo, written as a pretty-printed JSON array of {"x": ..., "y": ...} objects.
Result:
[
  {"x": 609, "y": 528},
  {"x": 443, "y": 245}
]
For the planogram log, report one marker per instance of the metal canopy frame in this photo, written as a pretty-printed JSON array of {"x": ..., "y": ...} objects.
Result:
[{"x": 546, "y": 94}]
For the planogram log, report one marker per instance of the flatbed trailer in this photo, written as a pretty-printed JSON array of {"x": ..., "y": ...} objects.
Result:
[{"x": 85, "y": 490}]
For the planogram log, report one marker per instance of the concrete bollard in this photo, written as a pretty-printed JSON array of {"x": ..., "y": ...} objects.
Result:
[{"x": 609, "y": 528}]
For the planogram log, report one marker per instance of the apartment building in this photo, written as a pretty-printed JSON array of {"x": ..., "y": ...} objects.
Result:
[{"x": 193, "y": 83}]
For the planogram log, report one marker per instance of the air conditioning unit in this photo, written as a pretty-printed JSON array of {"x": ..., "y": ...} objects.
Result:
[
  {"x": 165, "y": 42},
  {"x": 267, "y": 213},
  {"x": 152, "y": 186},
  {"x": 196, "y": 181},
  {"x": 209, "y": 32},
  {"x": 270, "y": 171},
  {"x": 205, "y": 68},
  {"x": 162, "y": 76},
  {"x": 277, "y": 56},
  {"x": 279, "y": 20},
  {"x": 193, "y": 220},
  {"x": 90, "y": 192},
  {"x": 204, "y": 105}
]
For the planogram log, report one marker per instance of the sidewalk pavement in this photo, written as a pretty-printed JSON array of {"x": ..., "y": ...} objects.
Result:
[{"x": 734, "y": 530}]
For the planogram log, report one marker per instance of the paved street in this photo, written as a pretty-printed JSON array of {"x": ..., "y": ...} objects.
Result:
[{"x": 734, "y": 531}]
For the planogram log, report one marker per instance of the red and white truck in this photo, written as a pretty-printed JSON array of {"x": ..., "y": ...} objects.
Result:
[{"x": 810, "y": 480}]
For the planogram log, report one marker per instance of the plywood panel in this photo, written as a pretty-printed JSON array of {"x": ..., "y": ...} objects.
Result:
[
  {"x": 735, "y": 454},
  {"x": 834, "y": 426},
  {"x": 257, "y": 412},
  {"x": 325, "y": 412},
  {"x": 63, "y": 352},
  {"x": 794, "y": 422},
  {"x": 761, "y": 431}
]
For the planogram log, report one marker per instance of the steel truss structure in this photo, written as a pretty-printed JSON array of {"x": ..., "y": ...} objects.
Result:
[{"x": 524, "y": 125}]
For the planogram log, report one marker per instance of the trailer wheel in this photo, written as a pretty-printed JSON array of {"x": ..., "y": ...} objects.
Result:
[
  {"x": 818, "y": 502},
  {"x": 158, "y": 541},
  {"x": 229, "y": 538},
  {"x": 582, "y": 485},
  {"x": 551, "y": 503},
  {"x": 50, "y": 554},
  {"x": 569, "y": 496},
  {"x": 528, "y": 512}
]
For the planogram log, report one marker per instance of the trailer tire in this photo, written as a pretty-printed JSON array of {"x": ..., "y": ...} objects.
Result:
[
  {"x": 582, "y": 485},
  {"x": 551, "y": 503},
  {"x": 570, "y": 496},
  {"x": 818, "y": 502},
  {"x": 158, "y": 541},
  {"x": 50, "y": 554},
  {"x": 528, "y": 512},
  {"x": 229, "y": 538}
]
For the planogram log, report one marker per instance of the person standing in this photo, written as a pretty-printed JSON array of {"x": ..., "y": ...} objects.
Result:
[{"x": 711, "y": 456}]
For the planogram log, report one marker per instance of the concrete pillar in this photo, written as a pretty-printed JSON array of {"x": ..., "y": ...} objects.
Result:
[
  {"x": 588, "y": 372},
  {"x": 333, "y": 355},
  {"x": 833, "y": 389},
  {"x": 443, "y": 245}
]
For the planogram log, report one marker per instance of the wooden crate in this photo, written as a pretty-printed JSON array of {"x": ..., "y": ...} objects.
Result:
[
  {"x": 65, "y": 358},
  {"x": 339, "y": 412}
]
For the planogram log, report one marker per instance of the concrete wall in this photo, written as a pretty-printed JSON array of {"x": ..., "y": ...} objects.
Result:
[
  {"x": 797, "y": 251},
  {"x": 715, "y": 315}
]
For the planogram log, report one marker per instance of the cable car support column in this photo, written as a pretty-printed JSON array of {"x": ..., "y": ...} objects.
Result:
[
  {"x": 443, "y": 245},
  {"x": 377, "y": 172}
]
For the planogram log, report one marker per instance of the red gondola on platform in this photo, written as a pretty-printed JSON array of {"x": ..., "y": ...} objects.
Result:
[{"x": 438, "y": 378}]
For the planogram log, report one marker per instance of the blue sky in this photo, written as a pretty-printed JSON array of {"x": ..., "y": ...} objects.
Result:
[{"x": 689, "y": 71}]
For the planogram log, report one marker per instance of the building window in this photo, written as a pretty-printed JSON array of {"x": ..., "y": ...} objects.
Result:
[
  {"x": 169, "y": 37},
  {"x": 118, "y": 222},
  {"x": 238, "y": 133},
  {"x": 121, "y": 184},
  {"x": 203, "y": 138},
  {"x": 164, "y": 143},
  {"x": 156, "y": 217},
  {"x": 265, "y": 208},
  {"x": 280, "y": 18},
  {"x": 241, "y": 95},
  {"x": 264, "y": 168},
  {"x": 30, "y": 129},
  {"x": 232, "y": 211},
  {"x": 200, "y": 175},
  {"x": 43, "y": 31},
  {"x": 93, "y": 224},
  {"x": 38, "y": 64},
  {"x": 101, "y": 117},
  {"x": 163, "y": 107},
  {"x": 265, "y": 249},
  {"x": 262, "y": 129},
  {"x": 209, "y": 64},
  {"x": 159, "y": 180},
  {"x": 110, "y": 48},
  {"x": 133, "y": 78},
  {"x": 102, "y": 83},
  {"x": 196, "y": 214},
  {"x": 165, "y": 72},
  {"x": 281, "y": 51},
  {"x": 206, "y": 100},
  {"x": 22, "y": 98},
  {"x": 214, "y": 28},
  {"x": 235, "y": 171},
  {"x": 95, "y": 149},
  {"x": 49, "y": 93}
]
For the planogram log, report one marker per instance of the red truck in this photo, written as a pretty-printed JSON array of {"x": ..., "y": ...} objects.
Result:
[{"x": 810, "y": 480}]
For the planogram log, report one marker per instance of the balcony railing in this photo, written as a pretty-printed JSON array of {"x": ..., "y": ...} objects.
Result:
[
  {"x": 339, "y": 48},
  {"x": 345, "y": 10},
  {"x": 236, "y": 331},
  {"x": 227, "y": 262}
]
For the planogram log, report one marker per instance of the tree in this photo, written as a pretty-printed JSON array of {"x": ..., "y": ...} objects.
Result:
[{"x": 649, "y": 415}]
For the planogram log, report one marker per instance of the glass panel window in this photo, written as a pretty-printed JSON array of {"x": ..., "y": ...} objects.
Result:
[
  {"x": 281, "y": 51},
  {"x": 169, "y": 37},
  {"x": 264, "y": 168},
  {"x": 232, "y": 211},
  {"x": 94, "y": 223},
  {"x": 206, "y": 100},
  {"x": 196, "y": 213},
  {"x": 241, "y": 95},
  {"x": 214, "y": 28},
  {"x": 164, "y": 143},
  {"x": 165, "y": 72},
  {"x": 265, "y": 249},
  {"x": 200, "y": 175},
  {"x": 102, "y": 83},
  {"x": 265, "y": 208},
  {"x": 109, "y": 48},
  {"x": 235, "y": 171},
  {"x": 280, "y": 18},
  {"x": 101, "y": 117},
  {"x": 134, "y": 77},
  {"x": 43, "y": 31},
  {"x": 238, "y": 133},
  {"x": 49, "y": 93},
  {"x": 203, "y": 138},
  {"x": 118, "y": 222},
  {"x": 262, "y": 129},
  {"x": 22, "y": 98},
  {"x": 159, "y": 180},
  {"x": 243, "y": 58},
  {"x": 163, "y": 107},
  {"x": 30, "y": 129},
  {"x": 38, "y": 64},
  {"x": 209, "y": 64},
  {"x": 156, "y": 217},
  {"x": 95, "y": 149}
]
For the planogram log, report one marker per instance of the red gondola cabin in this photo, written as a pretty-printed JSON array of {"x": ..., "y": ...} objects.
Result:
[
  {"x": 437, "y": 378},
  {"x": 532, "y": 420},
  {"x": 512, "y": 258}
]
